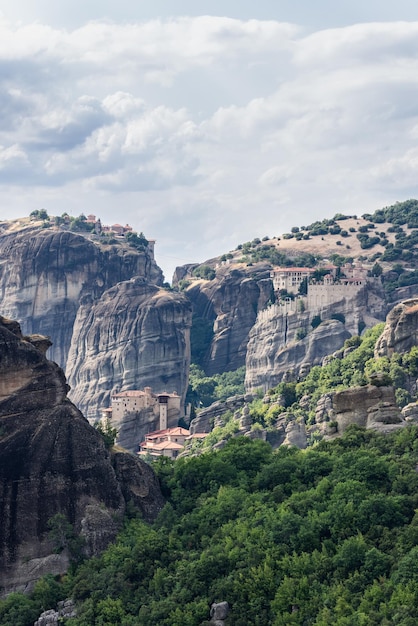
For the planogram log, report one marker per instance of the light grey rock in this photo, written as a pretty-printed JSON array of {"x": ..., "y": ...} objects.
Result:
[
  {"x": 66, "y": 610},
  {"x": 219, "y": 611},
  {"x": 296, "y": 434},
  {"x": 410, "y": 412},
  {"x": 274, "y": 352},
  {"x": 230, "y": 303},
  {"x": 204, "y": 421},
  {"x": 45, "y": 273},
  {"x": 271, "y": 361},
  {"x": 136, "y": 335},
  {"x": 401, "y": 330},
  {"x": 369, "y": 406}
]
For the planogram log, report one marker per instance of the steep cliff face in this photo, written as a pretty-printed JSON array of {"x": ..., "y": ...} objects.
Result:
[
  {"x": 401, "y": 330},
  {"x": 275, "y": 354},
  {"x": 230, "y": 302},
  {"x": 135, "y": 335},
  {"x": 52, "y": 461},
  {"x": 45, "y": 272},
  {"x": 276, "y": 351}
]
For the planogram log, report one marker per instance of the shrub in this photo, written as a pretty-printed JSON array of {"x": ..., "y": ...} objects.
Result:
[{"x": 316, "y": 320}]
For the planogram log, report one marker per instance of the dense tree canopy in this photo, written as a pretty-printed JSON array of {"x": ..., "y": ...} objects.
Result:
[{"x": 317, "y": 537}]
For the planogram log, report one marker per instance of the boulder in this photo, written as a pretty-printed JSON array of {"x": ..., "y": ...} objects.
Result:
[
  {"x": 401, "y": 330},
  {"x": 368, "y": 406}
]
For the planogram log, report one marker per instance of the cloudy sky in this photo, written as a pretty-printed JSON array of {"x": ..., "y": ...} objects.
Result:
[{"x": 206, "y": 124}]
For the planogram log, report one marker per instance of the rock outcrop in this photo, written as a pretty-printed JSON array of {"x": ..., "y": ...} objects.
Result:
[
  {"x": 205, "y": 420},
  {"x": 53, "y": 462},
  {"x": 218, "y": 613},
  {"x": 401, "y": 330},
  {"x": 369, "y": 407},
  {"x": 275, "y": 355},
  {"x": 276, "y": 351},
  {"x": 136, "y": 335},
  {"x": 45, "y": 273},
  {"x": 229, "y": 304}
]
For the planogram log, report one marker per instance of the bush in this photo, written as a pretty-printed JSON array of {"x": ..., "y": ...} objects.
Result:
[
  {"x": 205, "y": 272},
  {"x": 316, "y": 320}
]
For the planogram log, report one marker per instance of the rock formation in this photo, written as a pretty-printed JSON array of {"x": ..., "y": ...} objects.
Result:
[
  {"x": 274, "y": 353},
  {"x": 135, "y": 334},
  {"x": 369, "y": 406},
  {"x": 218, "y": 613},
  {"x": 229, "y": 304},
  {"x": 204, "y": 421},
  {"x": 53, "y": 462},
  {"x": 283, "y": 346},
  {"x": 401, "y": 330},
  {"x": 45, "y": 273}
]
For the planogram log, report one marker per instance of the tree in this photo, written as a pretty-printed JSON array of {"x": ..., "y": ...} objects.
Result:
[
  {"x": 303, "y": 287},
  {"x": 316, "y": 320},
  {"x": 376, "y": 270},
  {"x": 108, "y": 432}
]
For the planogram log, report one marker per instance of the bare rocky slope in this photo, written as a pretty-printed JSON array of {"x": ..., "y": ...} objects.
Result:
[
  {"x": 401, "y": 330},
  {"x": 229, "y": 304},
  {"x": 276, "y": 351},
  {"x": 53, "y": 462}
]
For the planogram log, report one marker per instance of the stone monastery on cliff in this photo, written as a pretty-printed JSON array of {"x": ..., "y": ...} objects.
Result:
[
  {"x": 164, "y": 406},
  {"x": 336, "y": 284}
]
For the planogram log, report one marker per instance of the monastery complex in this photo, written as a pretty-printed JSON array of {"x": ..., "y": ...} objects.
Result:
[{"x": 336, "y": 284}]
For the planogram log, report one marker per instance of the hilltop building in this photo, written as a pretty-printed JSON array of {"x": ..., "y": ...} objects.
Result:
[
  {"x": 290, "y": 278},
  {"x": 338, "y": 283},
  {"x": 165, "y": 407}
]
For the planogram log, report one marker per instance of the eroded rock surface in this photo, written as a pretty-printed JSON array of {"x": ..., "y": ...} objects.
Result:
[
  {"x": 368, "y": 406},
  {"x": 136, "y": 335},
  {"x": 401, "y": 330},
  {"x": 274, "y": 353},
  {"x": 44, "y": 274},
  {"x": 53, "y": 462},
  {"x": 230, "y": 303}
]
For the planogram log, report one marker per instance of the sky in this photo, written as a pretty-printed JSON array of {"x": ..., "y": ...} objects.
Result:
[{"x": 207, "y": 124}]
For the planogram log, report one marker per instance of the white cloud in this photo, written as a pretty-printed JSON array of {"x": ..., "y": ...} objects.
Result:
[{"x": 208, "y": 131}]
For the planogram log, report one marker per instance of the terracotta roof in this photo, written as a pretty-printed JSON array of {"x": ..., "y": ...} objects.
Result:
[
  {"x": 168, "y": 431},
  {"x": 167, "y": 445}
]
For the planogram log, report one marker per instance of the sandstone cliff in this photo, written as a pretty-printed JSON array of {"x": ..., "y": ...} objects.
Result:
[
  {"x": 401, "y": 330},
  {"x": 276, "y": 350},
  {"x": 230, "y": 303},
  {"x": 370, "y": 407},
  {"x": 275, "y": 354},
  {"x": 135, "y": 335},
  {"x": 53, "y": 462},
  {"x": 44, "y": 273}
]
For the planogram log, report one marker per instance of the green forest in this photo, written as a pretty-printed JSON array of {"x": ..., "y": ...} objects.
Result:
[{"x": 317, "y": 537}]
